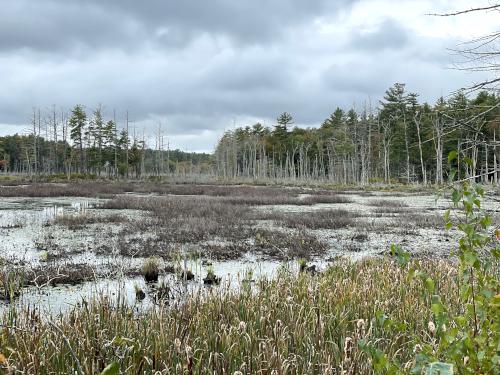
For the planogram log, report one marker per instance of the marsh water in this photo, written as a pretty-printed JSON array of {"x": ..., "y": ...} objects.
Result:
[{"x": 34, "y": 235}]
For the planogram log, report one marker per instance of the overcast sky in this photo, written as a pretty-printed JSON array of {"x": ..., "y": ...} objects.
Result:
[{"x": 200, "y": 66}]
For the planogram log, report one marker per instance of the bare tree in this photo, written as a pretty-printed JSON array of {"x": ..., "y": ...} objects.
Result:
[{"x": 480, "y": 54}]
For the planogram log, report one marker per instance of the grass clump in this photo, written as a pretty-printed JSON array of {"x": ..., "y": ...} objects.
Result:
[
  {"x": 320, "y": 219},
  {"x": 151, "y": 269},
  {"x": 11, "y": 283},
  {"x": 284, "y": 245},
  {"x": 139, "y": 293},
  {"x": 211, "y": 278},
  {"x": 386, "y": 203},
  {"x": 79, "y": 221}
]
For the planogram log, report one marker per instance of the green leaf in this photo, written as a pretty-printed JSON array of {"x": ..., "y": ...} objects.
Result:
[
  {"x": 402, "y": 256},
  {"x": 447, "y": 215},
  {"x": 495, "y": 253},
  {"x": 452, "y": 156},
  {"x": 480, "y": 190},
  {"x": 437, "y": 308},
  {"x": 461, "y": 320},
  {"x": 440, "y": 368},
  {"x": 111, "y": 369},
  {"x": 477, "y": 202},
  {"x": 470, "y": 258},
  {"x": 468, "y": 161},
  {"x": 382, "y": 319},
  {"x": 429, "y": 284},
  {"x": 451, "y": 176},
  {"x": 486, "y": 221}
]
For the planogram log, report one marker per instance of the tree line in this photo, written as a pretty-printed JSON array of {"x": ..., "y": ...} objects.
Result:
[
  {"x": 400, "y": 140},
  {"x": 86, "y": 143}
]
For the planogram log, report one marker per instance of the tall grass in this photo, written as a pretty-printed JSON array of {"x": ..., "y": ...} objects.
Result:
[
  {"x": 11, "y": 282},
  {"x": 291, "y": 324}
]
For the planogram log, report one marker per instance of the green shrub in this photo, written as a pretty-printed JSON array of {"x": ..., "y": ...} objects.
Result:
[{"x": 466, "y": 341}]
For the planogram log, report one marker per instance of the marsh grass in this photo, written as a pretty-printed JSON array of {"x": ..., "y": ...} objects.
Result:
[
  {"x": 84, "y": 189},
  {"x": 386, "y": 203},
  {"x": 381, "y": 211},
  {"x": 419, "y": 220},
  {"x": 288, "y": 245},
  {"x": 320, "y": 219},
  {"x": 60, "y": 274},
  {"x": 151, "y": 269},
  {"x": 226, "y": 251},
  {"x": 192, "y": 220},
  {"x": 360, "y": 236},
  {"x": 290, "y": 324},
  {"x": 12, "y": 281},
  {"x": 238, "y": 195},
  {"x": 79, "y": 221},
  {"x": 326, "y": 199}
]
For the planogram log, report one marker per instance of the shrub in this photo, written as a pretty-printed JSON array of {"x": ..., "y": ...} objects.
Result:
[{"x": 464, "y": 341}]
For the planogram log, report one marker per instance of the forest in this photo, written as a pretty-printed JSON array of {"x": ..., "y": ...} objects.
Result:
[
  {"x": 399, "y": 141},
  {"x": 82, "y": 143}
]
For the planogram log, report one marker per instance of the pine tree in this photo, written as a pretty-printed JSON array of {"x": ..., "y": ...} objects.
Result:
[
  {"x": 78, "y": 123},
  {"x": 97, "y": 134}
]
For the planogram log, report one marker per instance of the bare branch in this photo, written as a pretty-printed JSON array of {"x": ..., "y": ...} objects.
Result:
[{"x": 492, "y": 7}]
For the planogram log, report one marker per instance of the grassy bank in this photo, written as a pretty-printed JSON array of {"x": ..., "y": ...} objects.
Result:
[{"x": 291, "y": 324}]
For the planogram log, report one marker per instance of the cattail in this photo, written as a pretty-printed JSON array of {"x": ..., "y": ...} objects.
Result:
[
  {"x": 432, "y": 327},
  {"x": 189, "y": 352},
  {"x": 242, "y": 327},
  {"x": 347, "y": 349},
  {"x": 360, "y": 324},
  {"x": 177, "y": 344}
]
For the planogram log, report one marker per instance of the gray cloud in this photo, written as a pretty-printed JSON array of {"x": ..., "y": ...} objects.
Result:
[
  {"x": 389, "y": 35},
  {"x": 199, "y": 66},
  {"x": 73, "y": 24}
]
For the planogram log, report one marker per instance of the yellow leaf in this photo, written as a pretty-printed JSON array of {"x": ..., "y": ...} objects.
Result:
[{"x": 3, "y": 360}]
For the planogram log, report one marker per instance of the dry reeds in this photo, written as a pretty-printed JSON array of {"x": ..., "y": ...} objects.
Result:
[{"x": 290, "y": 324}]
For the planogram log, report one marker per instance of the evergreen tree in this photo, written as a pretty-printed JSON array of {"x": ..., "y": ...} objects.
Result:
[
  {"x": 78, "y": 123},
  {"x": 97, "y": 130}
]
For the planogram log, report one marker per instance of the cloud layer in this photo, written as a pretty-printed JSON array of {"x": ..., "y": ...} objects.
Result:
[{"x": 199, "y": 67}]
